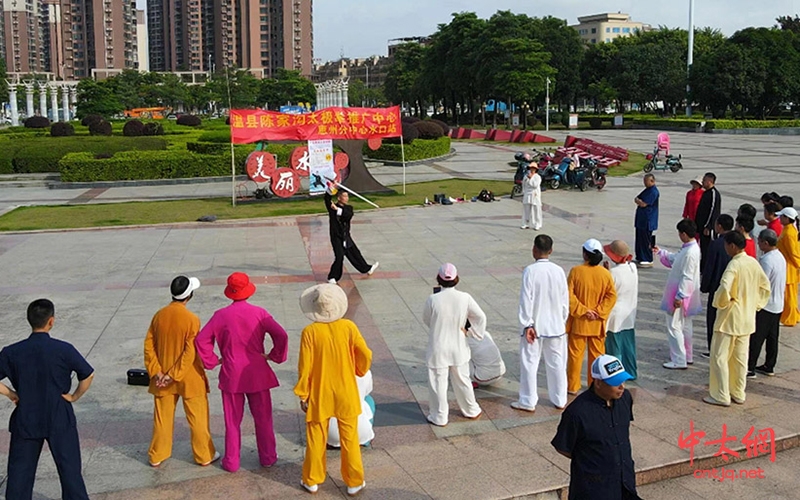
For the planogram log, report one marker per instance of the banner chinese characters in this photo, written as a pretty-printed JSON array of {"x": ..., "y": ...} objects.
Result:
[{"x": 252, "y": 125}]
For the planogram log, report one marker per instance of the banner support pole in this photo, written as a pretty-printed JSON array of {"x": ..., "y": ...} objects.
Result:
[{"x": 403, "y": 156}]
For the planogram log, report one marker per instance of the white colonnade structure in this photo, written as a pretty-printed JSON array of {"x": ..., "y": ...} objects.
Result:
[
  {"x": 69, "y": 99},
  {"x": 332, "y": 93}
]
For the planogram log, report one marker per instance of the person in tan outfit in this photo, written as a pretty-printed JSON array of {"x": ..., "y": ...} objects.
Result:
[{"x": 176, "y": 372}]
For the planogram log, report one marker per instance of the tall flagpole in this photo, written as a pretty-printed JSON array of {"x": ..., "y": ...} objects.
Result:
[{"x": 689, "y": 58}]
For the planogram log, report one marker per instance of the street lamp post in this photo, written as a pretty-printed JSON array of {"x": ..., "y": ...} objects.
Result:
[
  {"x": 689, "y": 58},
  {"x": 547, "y": 107}
]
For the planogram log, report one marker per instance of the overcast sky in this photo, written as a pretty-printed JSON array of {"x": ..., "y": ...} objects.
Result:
[{"x": 360, "y": 28}]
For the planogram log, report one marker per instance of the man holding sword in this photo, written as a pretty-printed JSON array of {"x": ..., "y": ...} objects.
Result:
[{"x": 339, "y": 217}]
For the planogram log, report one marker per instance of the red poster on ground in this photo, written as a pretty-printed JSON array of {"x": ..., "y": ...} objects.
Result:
[{"x": 253, "y": 125}]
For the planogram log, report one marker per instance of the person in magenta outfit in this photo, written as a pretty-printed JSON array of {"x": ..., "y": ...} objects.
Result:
[{"x": 239, "y": 330}]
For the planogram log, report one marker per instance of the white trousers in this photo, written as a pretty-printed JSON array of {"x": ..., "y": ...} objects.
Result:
[
  {"x": 555, "y": 362},
  {"x": 532, "y": 215},
  {"x": 679, "y": 334},
  {"x": 462, "y": 387}
]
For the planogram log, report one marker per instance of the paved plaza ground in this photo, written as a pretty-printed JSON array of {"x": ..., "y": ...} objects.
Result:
[{"x": 107, "y": 284}]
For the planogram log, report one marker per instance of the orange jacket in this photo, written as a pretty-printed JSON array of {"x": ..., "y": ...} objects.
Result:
[
  {"x": 591, "y": 288},
  {"x": 169, "y": 348}
]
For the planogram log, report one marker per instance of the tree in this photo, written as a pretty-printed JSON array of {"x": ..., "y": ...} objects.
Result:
[
  {"x": 288, "y": 86},
  {"x": 727, "y": 76},
  {"x": 244, "y": 88},
  {"x": 789, "y": 23},
  {"x": 403, "y": 80},
  {"x": 566, "y": 55},
  {"x": 3, "y": 76},
  {"x": 97, "y": 98}
]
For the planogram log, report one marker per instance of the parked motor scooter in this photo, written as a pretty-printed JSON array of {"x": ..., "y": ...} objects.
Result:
[
  {"x": 596, "y": 174},
  {"x": 524, "y": 159}
]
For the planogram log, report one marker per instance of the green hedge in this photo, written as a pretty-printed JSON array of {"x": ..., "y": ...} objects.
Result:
[
  {"x": 665, "y": 122},
  {"x": 137, "y": 165},
  {"x": 283, "y": 151},
  {"x": 420, "y": 149},
  {"x": 42, "y": 155},
  {"x": 737, "y": 124}
]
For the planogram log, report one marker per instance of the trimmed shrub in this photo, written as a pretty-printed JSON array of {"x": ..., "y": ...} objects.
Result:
[
  {"x": 101, "y": 128},
  {"x": 428, "y": 130},
  {"x": 663, "y": 122},
  {"x": 282, "y": 151},
  {"x": 421, "y": 149},
  {"x": 133, "y": 128},
  {"x": 189, "y": 121},
  {"x": 37, "y": 122},
  {"x": 91, "y": 118},
  {"x": 410, "y": 133},
  {"x": 129, "y": 165},
  {"x": 42, "y": 155},
  {"x": 409, "y": 119},
  {"x": 62, "y": 129},
  {"x": 595, "y": 122},
  {"x": 445, "y": 127},
  {"x": 153, "y": 128},
  {"x": 218, "y": 136}
]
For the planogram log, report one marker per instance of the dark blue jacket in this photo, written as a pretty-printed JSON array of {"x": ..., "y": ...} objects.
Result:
[
  {"x": 716, "y": 260},
  {"x": 647, "y": 217}
]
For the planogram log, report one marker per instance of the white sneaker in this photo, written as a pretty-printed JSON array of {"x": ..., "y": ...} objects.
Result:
[
  {"x": 213, "y": 459},
  {"x": 311, "y": 489},
  {"x": 373, "y": 268},
  {"x": 332, "y": 281},
  {"x": 669, "y": 365},
  {"x": 518, "y": 406},
  {"x": 524, "y": 226},
  {"x": 356, "y": 489}
]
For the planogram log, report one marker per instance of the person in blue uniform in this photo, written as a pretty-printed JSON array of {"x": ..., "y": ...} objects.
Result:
[
  {"x": 40, "y": 369},
  {"x": 594, "y": 433},
  {"x": 646, "y": 221}
]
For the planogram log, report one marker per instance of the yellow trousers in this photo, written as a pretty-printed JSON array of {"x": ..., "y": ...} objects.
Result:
[
  {"x": 196, "y": 410},
  {"x": 727, "y": 374},
  {"x": 314, "y": 465},
  {"x": 790, "y": 315},
  {"x": 576, "y": 347}
]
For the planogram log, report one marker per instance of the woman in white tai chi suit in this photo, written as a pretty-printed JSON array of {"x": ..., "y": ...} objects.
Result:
[
  {"x": 486, "y": 365},
  {"x": 445, "y": 315},
  {"x": 532, "y": 198}
]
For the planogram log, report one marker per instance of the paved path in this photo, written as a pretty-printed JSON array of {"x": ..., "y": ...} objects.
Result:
[{"x": 107, "y": 283}]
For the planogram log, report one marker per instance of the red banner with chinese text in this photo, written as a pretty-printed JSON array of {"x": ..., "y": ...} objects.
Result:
[{"x": 251, "y": 125}]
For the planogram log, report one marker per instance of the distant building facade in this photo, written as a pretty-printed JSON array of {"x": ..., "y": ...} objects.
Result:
[
  {"x": 606, "y": 27},
  {"x": 370, "y": 70}
]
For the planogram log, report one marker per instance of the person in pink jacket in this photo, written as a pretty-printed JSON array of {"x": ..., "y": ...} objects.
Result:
[{"x": 239, "y": 330}]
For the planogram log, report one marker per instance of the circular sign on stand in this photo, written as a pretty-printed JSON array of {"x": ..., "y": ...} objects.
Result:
[
  {"x": 259, "y": 166},
  {"x": 374, "y": 143},
  {"x": 285, "y": 182},
  {"x": 340, "y": 161},
  {"x": 300, "y": 161}
]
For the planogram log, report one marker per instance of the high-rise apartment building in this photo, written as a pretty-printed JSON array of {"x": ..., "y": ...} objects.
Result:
[
  {"x": 260, "y": 35},
  {"x": 142, "y": 58},
  {"x": 69, "y": 38},
  {"x": 23, "y": 35}
]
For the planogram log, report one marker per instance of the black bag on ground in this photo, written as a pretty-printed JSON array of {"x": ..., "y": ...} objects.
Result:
[
  {"x": 486, "y": 195},
  {"x": 137, "y": 376}
]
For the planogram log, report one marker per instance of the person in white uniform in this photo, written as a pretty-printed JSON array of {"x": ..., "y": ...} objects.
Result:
[
  {"x": 445, "y": 315},
  {"x": 543, "y": 313},
  {"x": 486, "y": 365},
  {"x": 620, "y": 328},
  {"x": 532, "y": 199},
  {"x": 365, "y": 432}
]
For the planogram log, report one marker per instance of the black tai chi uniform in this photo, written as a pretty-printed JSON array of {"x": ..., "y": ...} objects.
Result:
[
  {"x": 341, "y": 241},
  {"x": 40, "y": 369},
  {"x": 709, "y": 208}
]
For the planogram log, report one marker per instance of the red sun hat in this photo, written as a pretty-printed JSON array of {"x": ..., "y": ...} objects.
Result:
[{"x": 239, "y": 287}]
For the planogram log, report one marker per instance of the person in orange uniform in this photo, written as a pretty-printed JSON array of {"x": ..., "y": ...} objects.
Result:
[
  {"x": 332, "y": 354},
  {"x": 790, "y": 248},
  {"x": 592, "y": 296},
  {"x": 176, "y": 372}
]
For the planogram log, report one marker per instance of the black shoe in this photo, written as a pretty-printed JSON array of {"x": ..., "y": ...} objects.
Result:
[
  {"x": 751, "y": 374},
  {"x": 706, "y": 354},
  {"x": 763, "y": 370}
]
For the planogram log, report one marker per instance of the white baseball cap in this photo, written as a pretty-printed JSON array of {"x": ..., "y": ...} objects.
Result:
[
  {"x": 788, "y": 212},
  {"x": 592, "y": 245},
  {"x": 610, "y": 370}
]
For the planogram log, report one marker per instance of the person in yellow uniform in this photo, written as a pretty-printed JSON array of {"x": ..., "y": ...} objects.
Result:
[
  {"x": 176, "y": 372},
  {"x": 790, "y": 248},
  {"x": 332, "y": 354},
  {"x": 743, "y": 291},
  {"x": 592, "y": 296}
]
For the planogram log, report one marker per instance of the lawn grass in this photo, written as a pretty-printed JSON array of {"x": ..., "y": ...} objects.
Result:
[{"x": 160, "y": 212}]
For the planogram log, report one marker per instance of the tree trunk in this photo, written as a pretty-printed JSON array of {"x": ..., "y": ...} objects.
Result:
[{"x": 359, "y": 179}]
